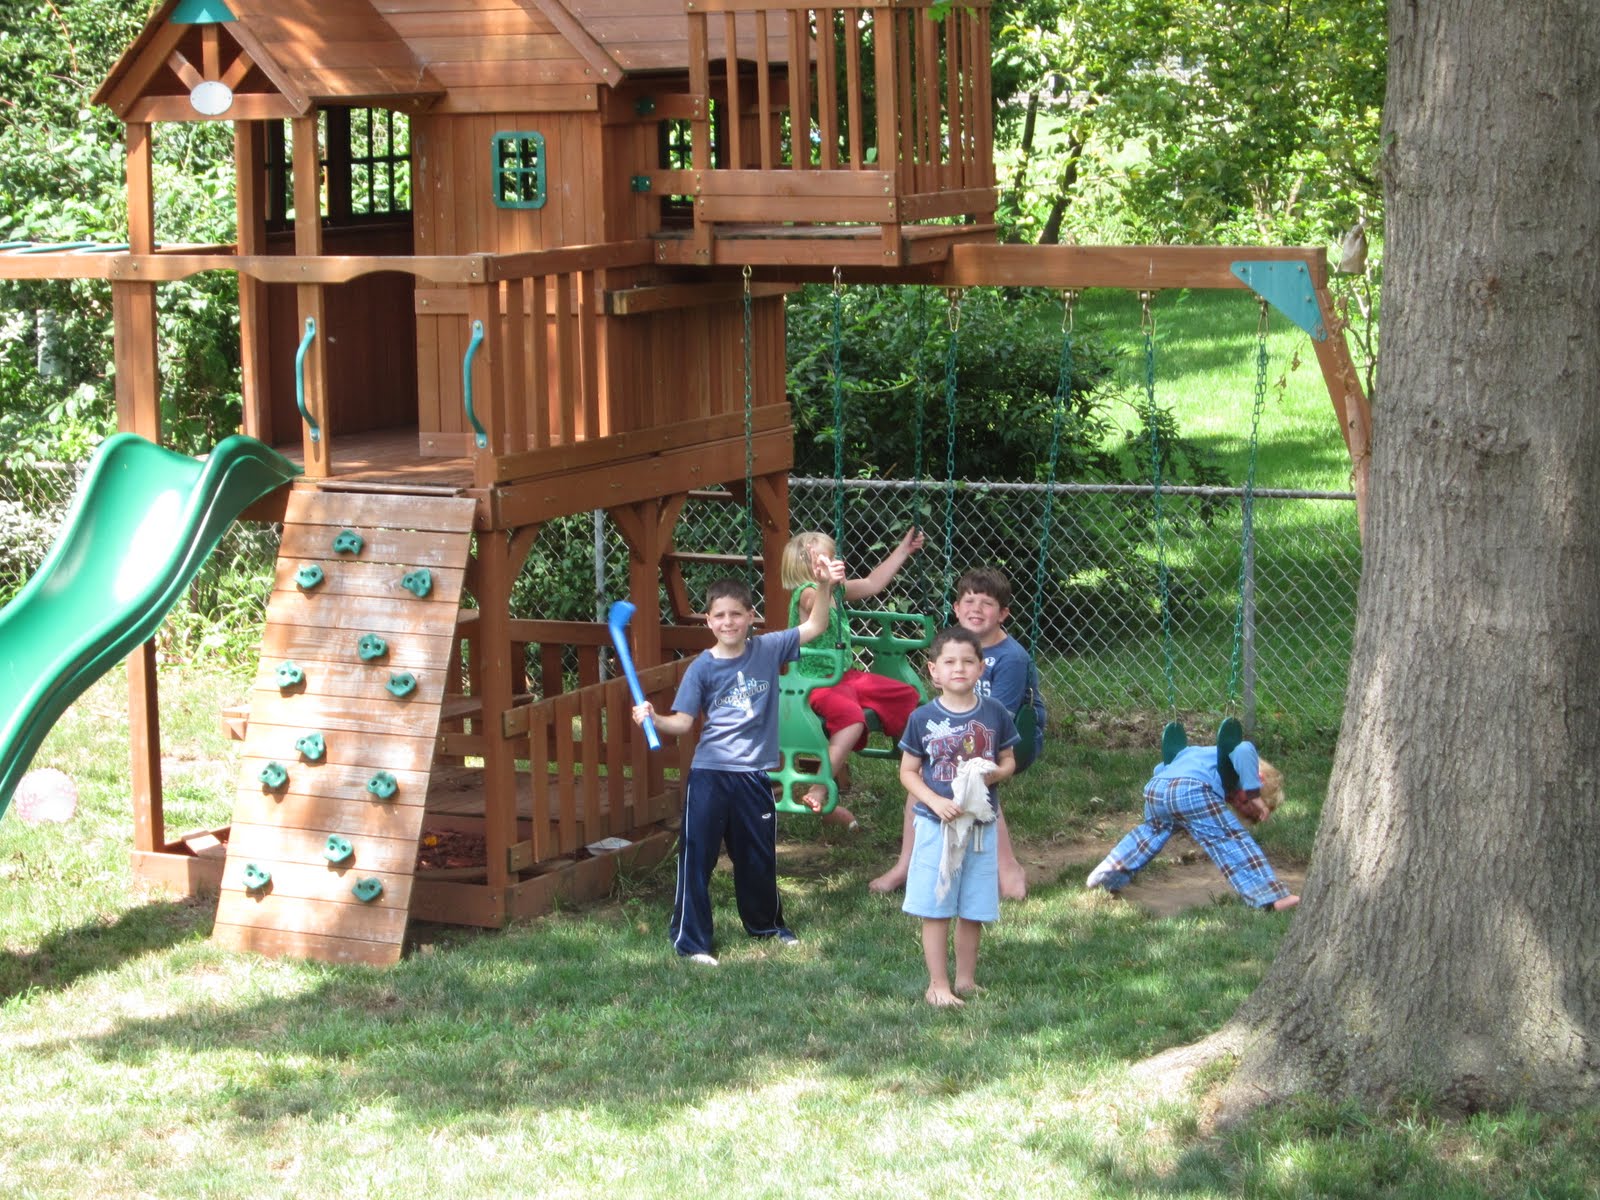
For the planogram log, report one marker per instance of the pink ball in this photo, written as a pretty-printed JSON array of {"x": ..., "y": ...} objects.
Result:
[{"x": 45, "y": 795}]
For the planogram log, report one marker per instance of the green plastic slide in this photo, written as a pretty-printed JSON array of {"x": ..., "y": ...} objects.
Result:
[{"x": 142, "y": 523}]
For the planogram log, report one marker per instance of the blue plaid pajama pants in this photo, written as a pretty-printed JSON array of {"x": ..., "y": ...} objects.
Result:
[{"x": 1194, "y": 807}]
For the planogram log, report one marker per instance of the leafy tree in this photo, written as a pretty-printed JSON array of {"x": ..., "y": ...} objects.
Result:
[{"x": 1190, "y": 120}]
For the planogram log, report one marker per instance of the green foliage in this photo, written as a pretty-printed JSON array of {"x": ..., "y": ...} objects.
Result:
[
  {"x": 63, "y": 178},
  {"x": 1189, "y": 120},
  {"x": 893, "y": 353}
]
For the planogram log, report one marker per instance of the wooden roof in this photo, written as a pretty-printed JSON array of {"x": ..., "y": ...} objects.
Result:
[
  {"x": 297, "y": 52},
  {"x": 284, "y": 57},
  {"x": 653, "y": 35}
]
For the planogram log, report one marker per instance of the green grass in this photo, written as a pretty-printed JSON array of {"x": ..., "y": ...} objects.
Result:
[
  {"x": 574, "y": 1056},
  {"x": 1307, "y": 551},
  {"x": 1206, "y": 372}
]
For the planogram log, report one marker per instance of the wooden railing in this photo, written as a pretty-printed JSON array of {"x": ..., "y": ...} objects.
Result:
[
  {"x": 876, "y": 113},
  {"x": 592, "y": 776},
  {"x": 528, "y": 336},
  {"x": 561, "y": 648}
]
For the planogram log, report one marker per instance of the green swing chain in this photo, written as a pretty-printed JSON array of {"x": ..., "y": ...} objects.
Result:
[
  {"x": 1148, "y": 325},
  {"x": 918, "y": 432},
  {"x": 838, "y": 409},
  {"x": 954, "y": 317},
  {"x": 1057, "y": 419},
  {"x": 749, "y": 438},
  {"x": 1247, "y": 548},
  {"x": 838, "y": 449}
]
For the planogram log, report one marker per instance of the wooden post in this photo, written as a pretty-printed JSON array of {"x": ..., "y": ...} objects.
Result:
[
  {"x": 772, "y": 514},
  {"x": 1344, "y": 390},
  {"x": 255, "y": 364},
  {"x": 495, "y": 573},
  {"x": 647, "y": 528},
  {"x": 488, "y": 378},
  {"x": 700, "y": 126},
  {"x": 312, "y": 300},
  {"x": 138, "y": 390}
]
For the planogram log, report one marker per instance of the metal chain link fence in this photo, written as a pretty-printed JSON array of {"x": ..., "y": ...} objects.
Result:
[
  {"x": 1087, "y": 597},
  {"x": 1087, "y": 594}
]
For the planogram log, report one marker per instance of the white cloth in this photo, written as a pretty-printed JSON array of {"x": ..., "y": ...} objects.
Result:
[{"x": 971, "y": 792}]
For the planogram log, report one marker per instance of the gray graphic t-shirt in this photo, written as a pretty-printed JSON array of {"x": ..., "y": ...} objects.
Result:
[{"x": 739, "y": 697}]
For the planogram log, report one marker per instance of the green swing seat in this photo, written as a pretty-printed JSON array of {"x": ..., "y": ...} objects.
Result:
[{"x": 801, "y": 739}]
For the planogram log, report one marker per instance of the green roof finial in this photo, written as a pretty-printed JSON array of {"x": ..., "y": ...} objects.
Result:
[{"x": 201, "y": 12}]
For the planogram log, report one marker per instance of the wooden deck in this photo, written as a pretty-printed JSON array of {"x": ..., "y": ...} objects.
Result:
[{"x": 387, "y": 459}]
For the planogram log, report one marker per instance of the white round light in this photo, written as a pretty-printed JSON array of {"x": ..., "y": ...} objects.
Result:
[{"x": 211, "y": 98}]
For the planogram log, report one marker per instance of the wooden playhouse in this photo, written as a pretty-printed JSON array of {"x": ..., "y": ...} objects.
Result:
[{"x": 496, "y": 262}]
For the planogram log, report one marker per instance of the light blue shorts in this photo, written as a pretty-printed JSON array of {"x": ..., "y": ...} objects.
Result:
[{"x": 974, "y": 893}]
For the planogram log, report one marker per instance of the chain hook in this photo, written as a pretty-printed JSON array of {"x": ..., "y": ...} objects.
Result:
[{"x": 953, "y": 313}]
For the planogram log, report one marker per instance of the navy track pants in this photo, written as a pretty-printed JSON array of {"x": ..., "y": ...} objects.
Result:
[{"x": 733, "y": 808}]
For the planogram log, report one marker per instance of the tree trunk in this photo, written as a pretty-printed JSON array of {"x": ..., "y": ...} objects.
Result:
[
  {"x": 1050, "y": 234},
  {"x": 1446, "y": 946}
]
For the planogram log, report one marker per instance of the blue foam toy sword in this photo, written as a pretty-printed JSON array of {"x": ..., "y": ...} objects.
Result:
[{"x": 619, "y": 616}]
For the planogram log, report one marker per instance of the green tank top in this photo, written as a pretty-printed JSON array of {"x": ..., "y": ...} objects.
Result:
[{"x": 819, "y": 657}]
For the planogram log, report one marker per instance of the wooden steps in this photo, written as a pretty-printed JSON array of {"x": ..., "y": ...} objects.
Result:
[{"x": 309, "y": 909}]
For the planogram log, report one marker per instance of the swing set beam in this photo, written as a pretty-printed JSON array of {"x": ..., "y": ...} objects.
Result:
[{"x": 1157, "y": 268}]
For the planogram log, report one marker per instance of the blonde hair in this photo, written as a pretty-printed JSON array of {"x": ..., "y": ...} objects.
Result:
[
  {"x": 1271, "y": 785},
  {"x": 796, "y": 566}
]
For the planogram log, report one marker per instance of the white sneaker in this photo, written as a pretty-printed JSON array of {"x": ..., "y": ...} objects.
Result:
[
  {"x": 1098, "y": 876},
  {"x": 785, "y": 938},
  {"x": 705, "y": 960}
]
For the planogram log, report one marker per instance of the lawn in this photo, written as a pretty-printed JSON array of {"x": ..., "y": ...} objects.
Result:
[{"x": 574, "y": 1056}]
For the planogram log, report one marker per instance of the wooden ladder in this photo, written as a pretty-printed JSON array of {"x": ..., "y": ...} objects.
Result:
[{"x": 315, "y": 901}]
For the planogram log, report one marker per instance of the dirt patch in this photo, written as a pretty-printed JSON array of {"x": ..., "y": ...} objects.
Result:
[
  {"x": 450, "y": 850},
  {"x": 1180, "y": 878}
]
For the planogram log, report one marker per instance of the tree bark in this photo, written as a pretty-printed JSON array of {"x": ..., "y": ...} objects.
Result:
[{"x": 1446, "y": 946}]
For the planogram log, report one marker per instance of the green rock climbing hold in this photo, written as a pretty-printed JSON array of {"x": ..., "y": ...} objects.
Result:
[
  {"x": 289, "y": 675},
  {"x": 348, "y": 542},
  {"x": 256, "y": 878},
  {"x": 338, "y": 849},
  {"x": 312, "y": 746},
  {"x": 371, "y": 646},
  {"x": 308, "y": 577},
  {"x": 383, "y": 785},
  {"x": 274, "y": 775},
  {"x": 368, "y": 889},
  {"x": 419, "y": 582},
  {"x": 402, "y": 683}
]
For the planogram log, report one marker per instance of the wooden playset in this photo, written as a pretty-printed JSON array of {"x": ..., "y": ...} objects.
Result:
[{"x": 495, "y": 260}]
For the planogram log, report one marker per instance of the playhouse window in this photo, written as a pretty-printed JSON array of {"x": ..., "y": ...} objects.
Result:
[
  {"x": 518, "y": 160},
  {"x": 364, "y": 159}
]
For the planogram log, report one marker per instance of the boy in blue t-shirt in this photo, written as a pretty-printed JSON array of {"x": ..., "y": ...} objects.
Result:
[
  {"x": 728, "y": 796},
  {"x": 958, "y": 725},
  {"x": 983, "y": 602}
]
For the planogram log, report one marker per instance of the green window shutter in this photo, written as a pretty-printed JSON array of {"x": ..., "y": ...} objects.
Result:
[{"x": 518, "y": 170}]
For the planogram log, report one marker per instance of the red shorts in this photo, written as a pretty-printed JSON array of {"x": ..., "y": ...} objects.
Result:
[{"x": 842, "y": 705}]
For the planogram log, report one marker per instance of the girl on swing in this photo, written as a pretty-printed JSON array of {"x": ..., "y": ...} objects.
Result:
[{"x": 842, "y": 706}]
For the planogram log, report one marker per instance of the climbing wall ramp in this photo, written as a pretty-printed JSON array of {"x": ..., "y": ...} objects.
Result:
[{"x": 344, "y": 719}]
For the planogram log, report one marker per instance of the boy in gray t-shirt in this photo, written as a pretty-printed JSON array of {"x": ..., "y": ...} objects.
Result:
[{"x": 728, "y": 795}]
